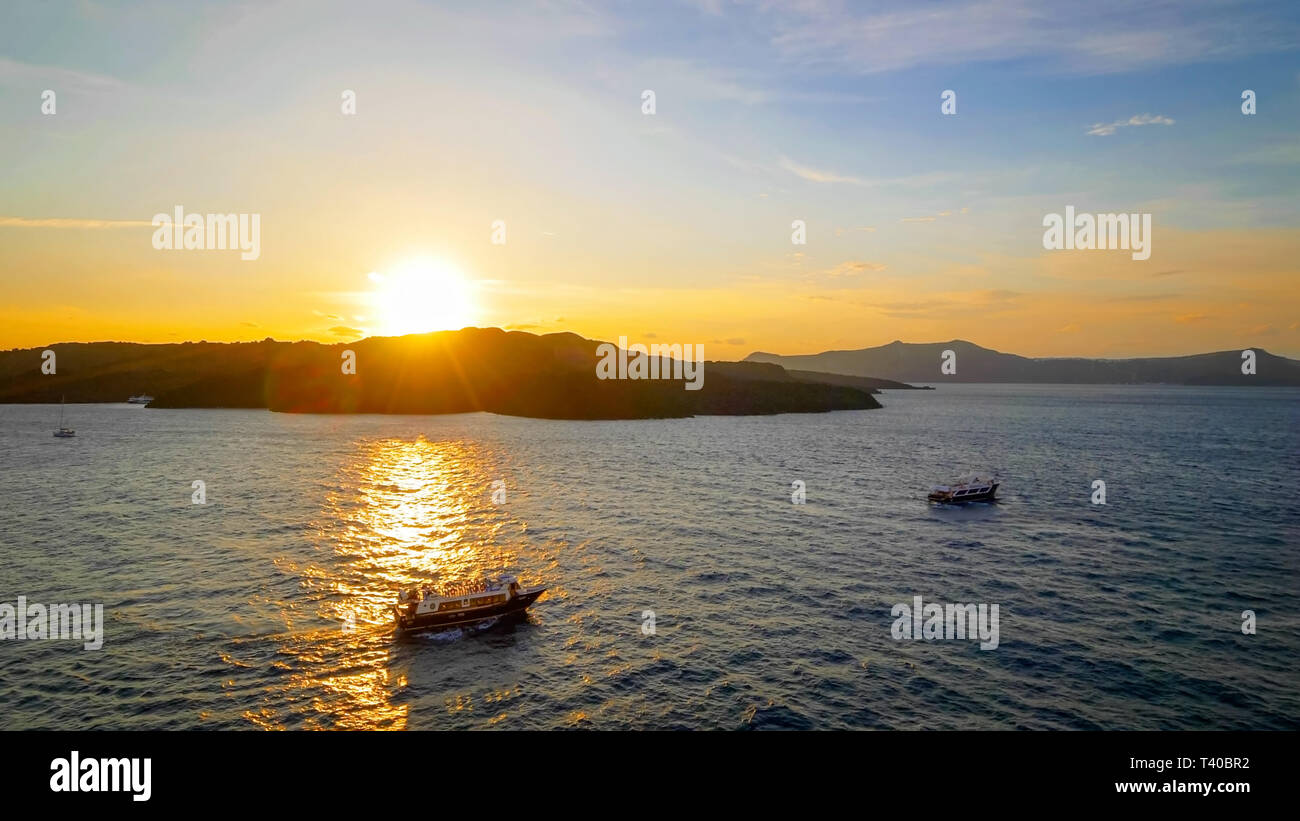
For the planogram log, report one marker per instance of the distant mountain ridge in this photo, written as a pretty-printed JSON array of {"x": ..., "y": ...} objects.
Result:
[
  {"x": 920, "y": 362},
  {"x": 473, "y": 369}
]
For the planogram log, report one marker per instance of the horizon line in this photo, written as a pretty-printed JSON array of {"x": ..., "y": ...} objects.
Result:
[{"x": 756, "y": 352}]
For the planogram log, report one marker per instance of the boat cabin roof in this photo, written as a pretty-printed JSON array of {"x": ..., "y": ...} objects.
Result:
[
  {"x": 486, "y": 587},
  {"x": 966, "y": 481}
]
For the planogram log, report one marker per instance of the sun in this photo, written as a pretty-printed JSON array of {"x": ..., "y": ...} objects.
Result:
[{"x": 422, "y": 295}]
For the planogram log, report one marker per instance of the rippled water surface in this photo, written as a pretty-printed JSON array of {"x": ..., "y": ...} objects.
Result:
[{"x": 267, "y": 607}]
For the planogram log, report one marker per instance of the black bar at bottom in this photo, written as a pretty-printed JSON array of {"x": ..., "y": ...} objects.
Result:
[{"x": 402, "y": 772}]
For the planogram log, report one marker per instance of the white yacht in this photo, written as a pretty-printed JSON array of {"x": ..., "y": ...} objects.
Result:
[
  {"x": 141, "y": 399},
  {"x": 969, "y": 489}
]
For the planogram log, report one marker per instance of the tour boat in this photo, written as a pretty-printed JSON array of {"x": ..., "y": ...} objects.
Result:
[
  {"x": 458, "y": 606},
  {"x": 63, "y": 432},
  {"x": 970, "y": 489},
  {"x": 142, "y": 399}
]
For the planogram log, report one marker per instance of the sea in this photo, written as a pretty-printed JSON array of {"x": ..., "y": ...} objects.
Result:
[{"x": 731, "y": 573}]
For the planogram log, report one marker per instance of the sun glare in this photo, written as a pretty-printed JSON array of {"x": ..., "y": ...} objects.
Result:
[{"x": 422, "y": 295}]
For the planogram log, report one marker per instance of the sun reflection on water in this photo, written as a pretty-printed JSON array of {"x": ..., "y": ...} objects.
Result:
[{"x": 401, "y": 513}]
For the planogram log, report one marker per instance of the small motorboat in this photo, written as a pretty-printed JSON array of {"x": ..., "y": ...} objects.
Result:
[
  {"x": 428, "y": 608},
  {"x": 140, "y": 399},
  {"x": 963, "y": 491}
]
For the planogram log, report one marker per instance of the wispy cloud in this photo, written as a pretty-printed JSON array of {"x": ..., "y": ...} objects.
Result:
[
  {"x": 1142, "y": 297},
  {"x": 691, "y": 79},
  {"x": 1281, "y": 154},
  {"x": 818, "y": 175},
  {"x": 1106, "y": 129},
  {"x": 14, "y": 73},
  {"x": 61, "y": 222},
  {"x": 1116, "y": 36},
  {"x": 855, "y": 267},
  {"x": 821, "y": 175},
  {"x": 946, "y": 306},
  {"x": 931, "y": 217}
]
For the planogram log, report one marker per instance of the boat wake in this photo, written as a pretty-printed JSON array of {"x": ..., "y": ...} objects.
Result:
[{"x": 446, "y": 635}]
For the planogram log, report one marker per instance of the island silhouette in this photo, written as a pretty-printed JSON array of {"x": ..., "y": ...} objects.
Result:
[
  {"x": 920, "y": 362},
  {"x": 552, "y": 376},
  {"x": 474, "y": 369}
]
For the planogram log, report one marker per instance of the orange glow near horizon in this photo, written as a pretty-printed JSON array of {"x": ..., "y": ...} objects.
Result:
[{"x": 1207, "y": 291}]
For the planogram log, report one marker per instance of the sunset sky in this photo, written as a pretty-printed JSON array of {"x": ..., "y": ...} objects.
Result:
[{"x": 674, "y": 226}]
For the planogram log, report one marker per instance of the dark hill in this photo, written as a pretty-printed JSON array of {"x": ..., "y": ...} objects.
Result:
[
  {"x": 474, "y": 369},
  {"x": 913, "y": 362}
]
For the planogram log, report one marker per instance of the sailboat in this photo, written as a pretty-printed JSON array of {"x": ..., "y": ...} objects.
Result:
[{"x": 63, "y": 432}]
